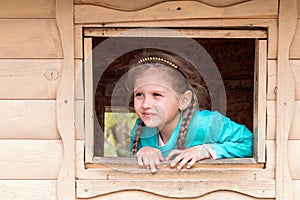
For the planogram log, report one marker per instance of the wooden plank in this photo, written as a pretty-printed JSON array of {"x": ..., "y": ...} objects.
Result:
[
  {"x": 133, "y": 172},
  {"x": 29, "y": 38},
  {"x": 175, "y": 189},
  {"x": 295, "y": 127},
  {"x": 295, "y": 68},
  {"x": 89, "y": 100},
  {"x": 296, "y": 184},
  {"x": 294, "y": 51},
  {"x": 272, "y": 77},
  {"x": 30, "y": 159},
  {"x": 29, "y": 79},
  {"x": 28, "y": 189},
  {"x": 28, "y": 119},
  {"x": 27, "y": 9},
  {"x": 260, "y": 106},
  {"x": 271, "y": 123},
  {"x": 79, "y": 100},
  {"x": 79, "y": 119},
  {"x": 78, "y": 38},
  {"x": 285, "y": 99},
  {"x": 65, "y": 101},
  {"x": 294, "y": 152},
  {"x": 133, "y": 5},
  {"x": 195, "y": 33},
  {"x": 177, "y": 10},
  {"x": 269, "y": 24},
  {"x": 123, "y": 162},
  {"x": 271, "y": 120},
  {"x": 135, "y": 194},
  {"x": 79, "y": 80}
]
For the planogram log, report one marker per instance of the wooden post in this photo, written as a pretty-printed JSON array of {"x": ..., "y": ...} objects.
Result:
[
  {"x": 65, "y": 101},
  {"x": 285, "y": 97}
]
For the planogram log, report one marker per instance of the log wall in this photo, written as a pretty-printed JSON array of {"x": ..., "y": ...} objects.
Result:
[{"x": 41, "y": 124}]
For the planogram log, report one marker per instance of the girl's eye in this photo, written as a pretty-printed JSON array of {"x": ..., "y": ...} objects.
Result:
[
  {"x": 157, "y": 95},
  {"x": 138, "y": 94}
]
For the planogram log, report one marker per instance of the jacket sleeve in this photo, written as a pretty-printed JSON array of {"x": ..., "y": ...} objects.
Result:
[{"x": 230, "y": 139}]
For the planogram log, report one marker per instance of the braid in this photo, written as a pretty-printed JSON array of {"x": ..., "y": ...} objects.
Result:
[
  {"x": 187, "y": 116},
  {"x": 136, "y": 139}
]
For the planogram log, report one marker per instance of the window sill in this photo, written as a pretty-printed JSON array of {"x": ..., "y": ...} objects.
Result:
[{"x": 126, "y": 164}]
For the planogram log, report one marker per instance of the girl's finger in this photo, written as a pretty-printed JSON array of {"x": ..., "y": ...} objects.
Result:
[
  {"x": 152, "y": 166},
  {"x": 146, "y": 161},
  {"x": 191, "y": 163},
  {"x": 183, "y": 162},
  {"x": 172, "y": 153},
  {"x": 177, "y": 159},
  {"x": 140, "y": 161},
  {"x": 156, "y": 158}
]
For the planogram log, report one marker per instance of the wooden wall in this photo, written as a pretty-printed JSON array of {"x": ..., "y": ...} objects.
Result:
[
  {"x": 41, "y": 50},
  {"x": 36, "y": 123}
]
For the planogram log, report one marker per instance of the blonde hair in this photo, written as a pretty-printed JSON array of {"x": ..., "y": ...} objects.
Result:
[{"x": 183, "y": 76}]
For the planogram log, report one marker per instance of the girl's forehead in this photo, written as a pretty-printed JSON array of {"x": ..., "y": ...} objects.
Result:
[{"x": 154, "y": 76}]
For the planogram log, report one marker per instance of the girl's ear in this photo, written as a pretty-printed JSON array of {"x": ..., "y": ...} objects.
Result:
[{"x": 185, "y": 99}]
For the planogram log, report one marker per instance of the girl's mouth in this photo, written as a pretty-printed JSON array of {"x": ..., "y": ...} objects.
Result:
[{"x": 148, "y": 114}]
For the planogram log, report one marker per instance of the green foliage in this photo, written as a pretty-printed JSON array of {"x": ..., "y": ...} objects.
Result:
[{"x": 117, "y": 128}]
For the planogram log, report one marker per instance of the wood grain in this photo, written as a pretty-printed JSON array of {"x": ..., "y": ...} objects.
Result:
[
  {"x": 174, "y": 10},
  {"x": 28, "y": 189},
  {"x": 30, "y": 159},
  {"x": 218, "y": 195},
  {"x": 220, "y": 172},
  {"x": 28, "y": 119},
  {"x": 27, "y": 9},
  {"x": 285, "y": 100},
  {"x": 29, "y": 38},
  {"x": 65, "y": 101},
  {"x": 132, "y": 5},
  {"x": 29, "y": 78},
  {"x": 175, "y": 189}
]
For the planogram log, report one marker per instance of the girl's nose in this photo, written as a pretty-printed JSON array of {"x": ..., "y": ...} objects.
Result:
[{"x": 147, "y": 103}]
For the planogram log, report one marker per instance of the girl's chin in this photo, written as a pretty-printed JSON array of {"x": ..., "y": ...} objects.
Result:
[{"x": 152, "y": 123}]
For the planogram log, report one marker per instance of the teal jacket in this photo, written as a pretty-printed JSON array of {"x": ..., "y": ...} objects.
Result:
[{"x": 227, "y": 138}]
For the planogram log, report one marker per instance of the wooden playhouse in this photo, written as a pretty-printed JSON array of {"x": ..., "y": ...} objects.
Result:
[{"x": 52, "y": 106}]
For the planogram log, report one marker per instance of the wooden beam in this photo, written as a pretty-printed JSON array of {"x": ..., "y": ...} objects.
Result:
[
  {"x": 285, "y": 97},
  {"x": 174, "y": 10},
  {"x": 65, "y": 101},
  {"x": 176, "y": 189}
]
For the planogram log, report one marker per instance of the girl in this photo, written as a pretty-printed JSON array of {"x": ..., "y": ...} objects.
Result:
[{"x": 174, "y": 122}]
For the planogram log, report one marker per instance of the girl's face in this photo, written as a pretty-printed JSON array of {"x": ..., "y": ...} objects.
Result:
[{"x": 155, "y": 101}]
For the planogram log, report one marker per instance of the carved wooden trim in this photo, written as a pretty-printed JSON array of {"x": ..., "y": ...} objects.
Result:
[
  {"x": 174, "y": 10},
  {"x": 65, "y": 101},
  {"x": 175, "y": 189},
  {"x": 134, "y": 5},
  {"x": 285, "y": 97}
]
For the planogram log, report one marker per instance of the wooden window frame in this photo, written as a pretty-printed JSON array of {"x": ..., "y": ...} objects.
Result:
[{"x": 260, "y": 93}]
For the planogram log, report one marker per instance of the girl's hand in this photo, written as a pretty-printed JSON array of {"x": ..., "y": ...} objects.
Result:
[
  {"x": 188, "y": 156},
  {"x": 150, "y": 158}
]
